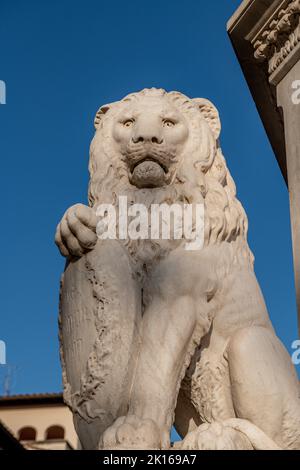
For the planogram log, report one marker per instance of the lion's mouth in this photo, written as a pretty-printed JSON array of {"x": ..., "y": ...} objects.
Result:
[
  {"x": 149, "y": 159},
  {"x": 148, "y": 172}
]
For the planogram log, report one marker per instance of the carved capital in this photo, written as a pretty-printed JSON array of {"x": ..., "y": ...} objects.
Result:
[{"x": 279, "y": 37}]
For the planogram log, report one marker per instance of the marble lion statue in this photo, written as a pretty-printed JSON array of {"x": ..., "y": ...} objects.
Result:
[{"x": 154, "y": 335}]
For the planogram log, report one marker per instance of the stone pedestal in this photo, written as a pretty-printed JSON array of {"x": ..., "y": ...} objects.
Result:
[{"x": 266, "y": 37}]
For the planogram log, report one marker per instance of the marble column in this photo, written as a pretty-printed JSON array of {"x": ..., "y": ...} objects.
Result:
[{"x": 266, "y": 37}]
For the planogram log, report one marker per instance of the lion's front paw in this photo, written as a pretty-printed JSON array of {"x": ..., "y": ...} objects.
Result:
[
  {"x": 215, "y": 436},
  {"x": 76, "y": 233},
  {"x": 130, "y": 432}
]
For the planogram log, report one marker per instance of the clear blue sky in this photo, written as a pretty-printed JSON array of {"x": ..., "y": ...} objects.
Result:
[{"x": 61, "y": 60}]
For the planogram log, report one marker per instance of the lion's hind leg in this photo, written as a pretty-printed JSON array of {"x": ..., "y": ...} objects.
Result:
[{"x": 264, "y": 385}]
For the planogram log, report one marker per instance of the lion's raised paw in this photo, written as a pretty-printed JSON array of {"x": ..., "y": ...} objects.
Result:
[{"x": 76, "y": 232}]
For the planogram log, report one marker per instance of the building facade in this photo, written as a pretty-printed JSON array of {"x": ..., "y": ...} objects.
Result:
[{"x": 40, "y": 421}]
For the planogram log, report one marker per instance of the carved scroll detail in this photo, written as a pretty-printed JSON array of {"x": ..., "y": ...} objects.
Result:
[{"x": 280, "y": 38}]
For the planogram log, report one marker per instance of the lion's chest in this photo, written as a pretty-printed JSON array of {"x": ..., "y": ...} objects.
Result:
[{"x": 145, "y": 254}]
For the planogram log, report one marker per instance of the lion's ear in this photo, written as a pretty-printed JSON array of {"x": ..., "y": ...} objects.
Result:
[
  {"x": 210, "y": 114},
  {"x": 100, "y": 113}
]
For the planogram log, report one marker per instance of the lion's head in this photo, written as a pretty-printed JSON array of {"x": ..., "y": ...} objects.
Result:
[{"x": 155, "y": 141}]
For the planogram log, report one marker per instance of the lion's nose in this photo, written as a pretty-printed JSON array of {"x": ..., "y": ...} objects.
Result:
[
  {"x": 147, "y": 135},
  {"x": 154, "y": 139},
  {"x": 142, "y": 138}
]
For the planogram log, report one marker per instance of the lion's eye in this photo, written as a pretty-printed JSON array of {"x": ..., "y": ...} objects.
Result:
[
  {"x": 168, "y": 123},
  {"x": 128, "y": 122}
]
